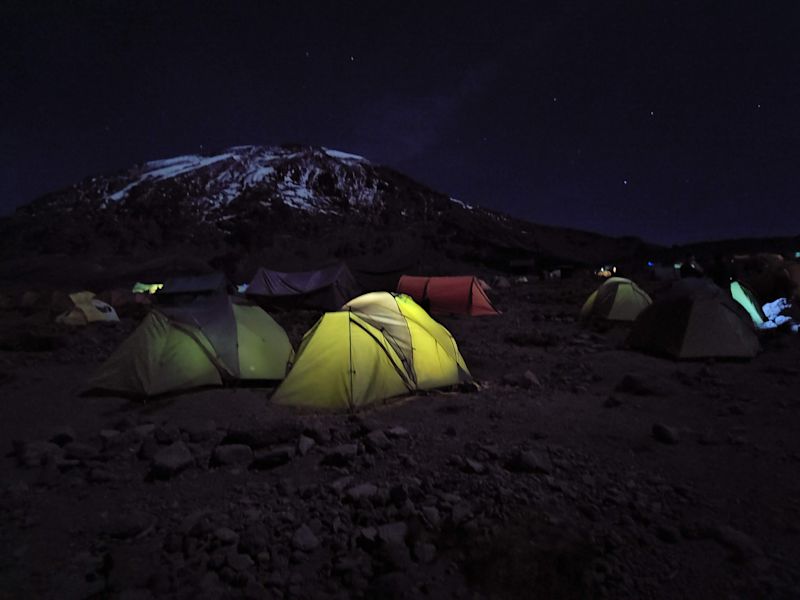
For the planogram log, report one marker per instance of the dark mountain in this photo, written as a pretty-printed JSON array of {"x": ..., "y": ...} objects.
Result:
[{"x": 287, "y": 205}]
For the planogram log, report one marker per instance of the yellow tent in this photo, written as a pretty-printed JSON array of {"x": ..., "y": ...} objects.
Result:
[
  {"x": 617, "y": 299},
  {"x": 428, "y": 351},
  {"x": 87, "y": 309},
  {"x": 344, "y": 363}
]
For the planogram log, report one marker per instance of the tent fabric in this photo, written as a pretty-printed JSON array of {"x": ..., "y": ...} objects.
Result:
[
  {"x": 87, "y": 309},
  {"x": 694, "y": 322},
  {"x": 429, "y": 353},
  {"x": 448, "y": 295},
  {"x": 617, "y": 299},
  {"x": 158, "y": 358},
  {"x": 744, "y": 296},
  {"x": 325, "y": 289},
  {"x": 184, "y": 290},
  {"x": 205, "y": 344},
  {"x": 343, "y": 363},
  {"x": 146, "y": 288},
  {"x": 665, "y": 273}
]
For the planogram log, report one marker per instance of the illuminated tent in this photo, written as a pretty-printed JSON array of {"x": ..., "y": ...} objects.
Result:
[
  {"x": 146, "y": 288},
  {"x": 744, "y": 296},
  {"x": 344, "y": 363},
  {"x": 325, "y": 289},
  {"x": 184, "y": 290},
  {"x": 208, "y": 343},
  {"x": 617, "y": 299},
  {"x": 87, "y": 309},
  {"x": 429, "y": 353},
  {"x": 448, "y": 295},
  {"x": 695, "y": 319}
]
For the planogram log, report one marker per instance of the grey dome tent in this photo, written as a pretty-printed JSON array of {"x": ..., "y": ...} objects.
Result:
[
  {"x": 325, "y": 289},
  {"x": 183, "y": 290},
  {"x": 695, "y": 319}
]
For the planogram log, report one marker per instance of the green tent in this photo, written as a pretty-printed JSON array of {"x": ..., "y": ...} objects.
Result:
[
  {"x": 344, "y": 363},
  {"x": 617, "y": 299},
  {"x": 217, "y": 341},
  {"x": 146, "y": 288},
  {"x": 744, "y": 296},
  {"x": 429, "y": 353}
]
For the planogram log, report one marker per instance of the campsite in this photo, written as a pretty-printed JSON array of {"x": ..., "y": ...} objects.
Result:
[
  {"x": 531, "y": 432},
  {"x": 321, "y": 300}
]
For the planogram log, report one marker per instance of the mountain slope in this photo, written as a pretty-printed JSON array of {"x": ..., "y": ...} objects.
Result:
[{"x": 272, "y": 202}]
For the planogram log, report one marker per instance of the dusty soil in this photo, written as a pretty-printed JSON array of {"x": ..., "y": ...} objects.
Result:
[{"x": 575, "y": 469}]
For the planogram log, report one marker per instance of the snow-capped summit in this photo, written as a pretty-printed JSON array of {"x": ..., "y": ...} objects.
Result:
[{"x": 292, "y": 172}]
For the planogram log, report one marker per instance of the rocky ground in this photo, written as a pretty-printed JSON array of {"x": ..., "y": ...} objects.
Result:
[{"x": 573, "y": 469}]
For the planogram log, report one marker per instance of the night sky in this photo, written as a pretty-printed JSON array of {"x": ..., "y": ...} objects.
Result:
[{"x": 674, "y": 123}]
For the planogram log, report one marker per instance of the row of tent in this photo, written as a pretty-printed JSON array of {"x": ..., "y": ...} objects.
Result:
[
  {"x": 378, "y": 346},
  {"x": 326, "y": 289},
  {"x": 694, "y": 319}
]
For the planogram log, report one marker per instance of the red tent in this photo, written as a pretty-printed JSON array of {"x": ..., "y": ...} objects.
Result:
[{"x": 448, "y": 295}]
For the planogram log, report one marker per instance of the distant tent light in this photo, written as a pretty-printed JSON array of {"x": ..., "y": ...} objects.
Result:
[
  {"x": 797, "y": 254},
  {"x": 650, "y": 263},
  {"x": 146, "y": 288}
]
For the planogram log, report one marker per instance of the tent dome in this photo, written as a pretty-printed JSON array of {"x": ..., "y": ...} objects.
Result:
[{"x": 617, "y": 299}]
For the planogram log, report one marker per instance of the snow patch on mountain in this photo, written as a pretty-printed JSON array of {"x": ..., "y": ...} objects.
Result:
[
  {"x": 343, "y": 155},
  {"x": 462, "y": 204}
]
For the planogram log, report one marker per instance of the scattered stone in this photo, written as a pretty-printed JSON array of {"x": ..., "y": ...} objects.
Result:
[
  {"x": 304, "y": 444},
  {"x": 431, "y": 516},
  {"x": 100, "y": 475},
  {"x": 397, "y": 432},
  {"x": 633, "y": 384},
  {"x": 149, "y": 448},
  {"x": 201, "y": 432},
  {"x": 744, "y": 548},
  {"x": 424, "y": 553},
  {"x": 233, "y": 454},
  {"x": 282, "y": 432},
  {"x": 64, "y": 436},
  {"x": 393, "y": 533},
  {"x": 80, "y": 451},
  {"x": 255, "y": 541},
  {"x": 474, "y": 466},
  {"x": 273, "y": 457},
  {"x": 377, "y": 440},
  {"x": 167, "y": 435},
  {"x": 664, "y": 434},
  {"x": 171, "y": 460},
  {"x": 35, "y": 454},
  {"x": 226, "y": 536},
  {"x": 341, "y": 455},
  {"x": 368, "y": 536},
  {"x": 144, "y": 430},
  {"x": 363, "y": 491},
  {"x": 107, "y": 436},
  {"x": 531, "y": 379},
  {"x": 461, "y": 512},
  {"x": 528, "y": 461},
  {"x": 668, "y": 534},
  {"x": 339, "y": 485},
  {"x": 130, "y": 524},
  {"x": 304, "y": 539},
  {"x": 239, "y": 562}
]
